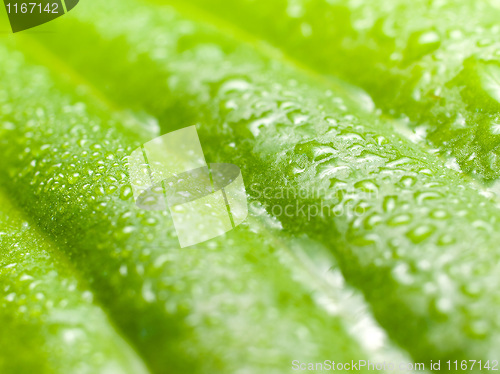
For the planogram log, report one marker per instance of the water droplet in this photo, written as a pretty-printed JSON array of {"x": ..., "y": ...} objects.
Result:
[
  {"x": 479, "y": 329},
  {"x": 372, "y": 221},
  {"x": 439, "y": 214},
  {"x": 381, "y": 140},
  {"x": 367, "y": 186},
  {"x": 123, "y": 270},
  {"x": 407, "y": 181},
  {"x": 401, "y": 274},
  {"x": 73, "y": 178},
  {"x": 128, "y": 229},
  {"x": 126, "y": 192},
  {"x": 338, "y": 172},
  {"x": 420, "y": 233},
  {"x": 422, "y": 196},
  {"x": 443, "y": 305},
  {"x": 389, "y": 203},
  {"x": 489, "y": 75},
  {"x": 234, "y": 85},
  {"x": 320, "y": 153},
  {"x": 445, "y": 240},
  {"x": 472, "y": 289},
  {"x": 350, "y": 137},
  {"x": 110, "y": 189}
]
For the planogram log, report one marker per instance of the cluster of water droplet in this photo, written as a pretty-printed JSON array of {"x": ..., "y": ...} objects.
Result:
[
  {"x": 410, "y": 224},
  {"x": 66, "y": 166}
]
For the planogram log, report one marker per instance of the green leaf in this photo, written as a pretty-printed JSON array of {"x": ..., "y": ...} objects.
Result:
[{"x": 414, "y": 236}]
